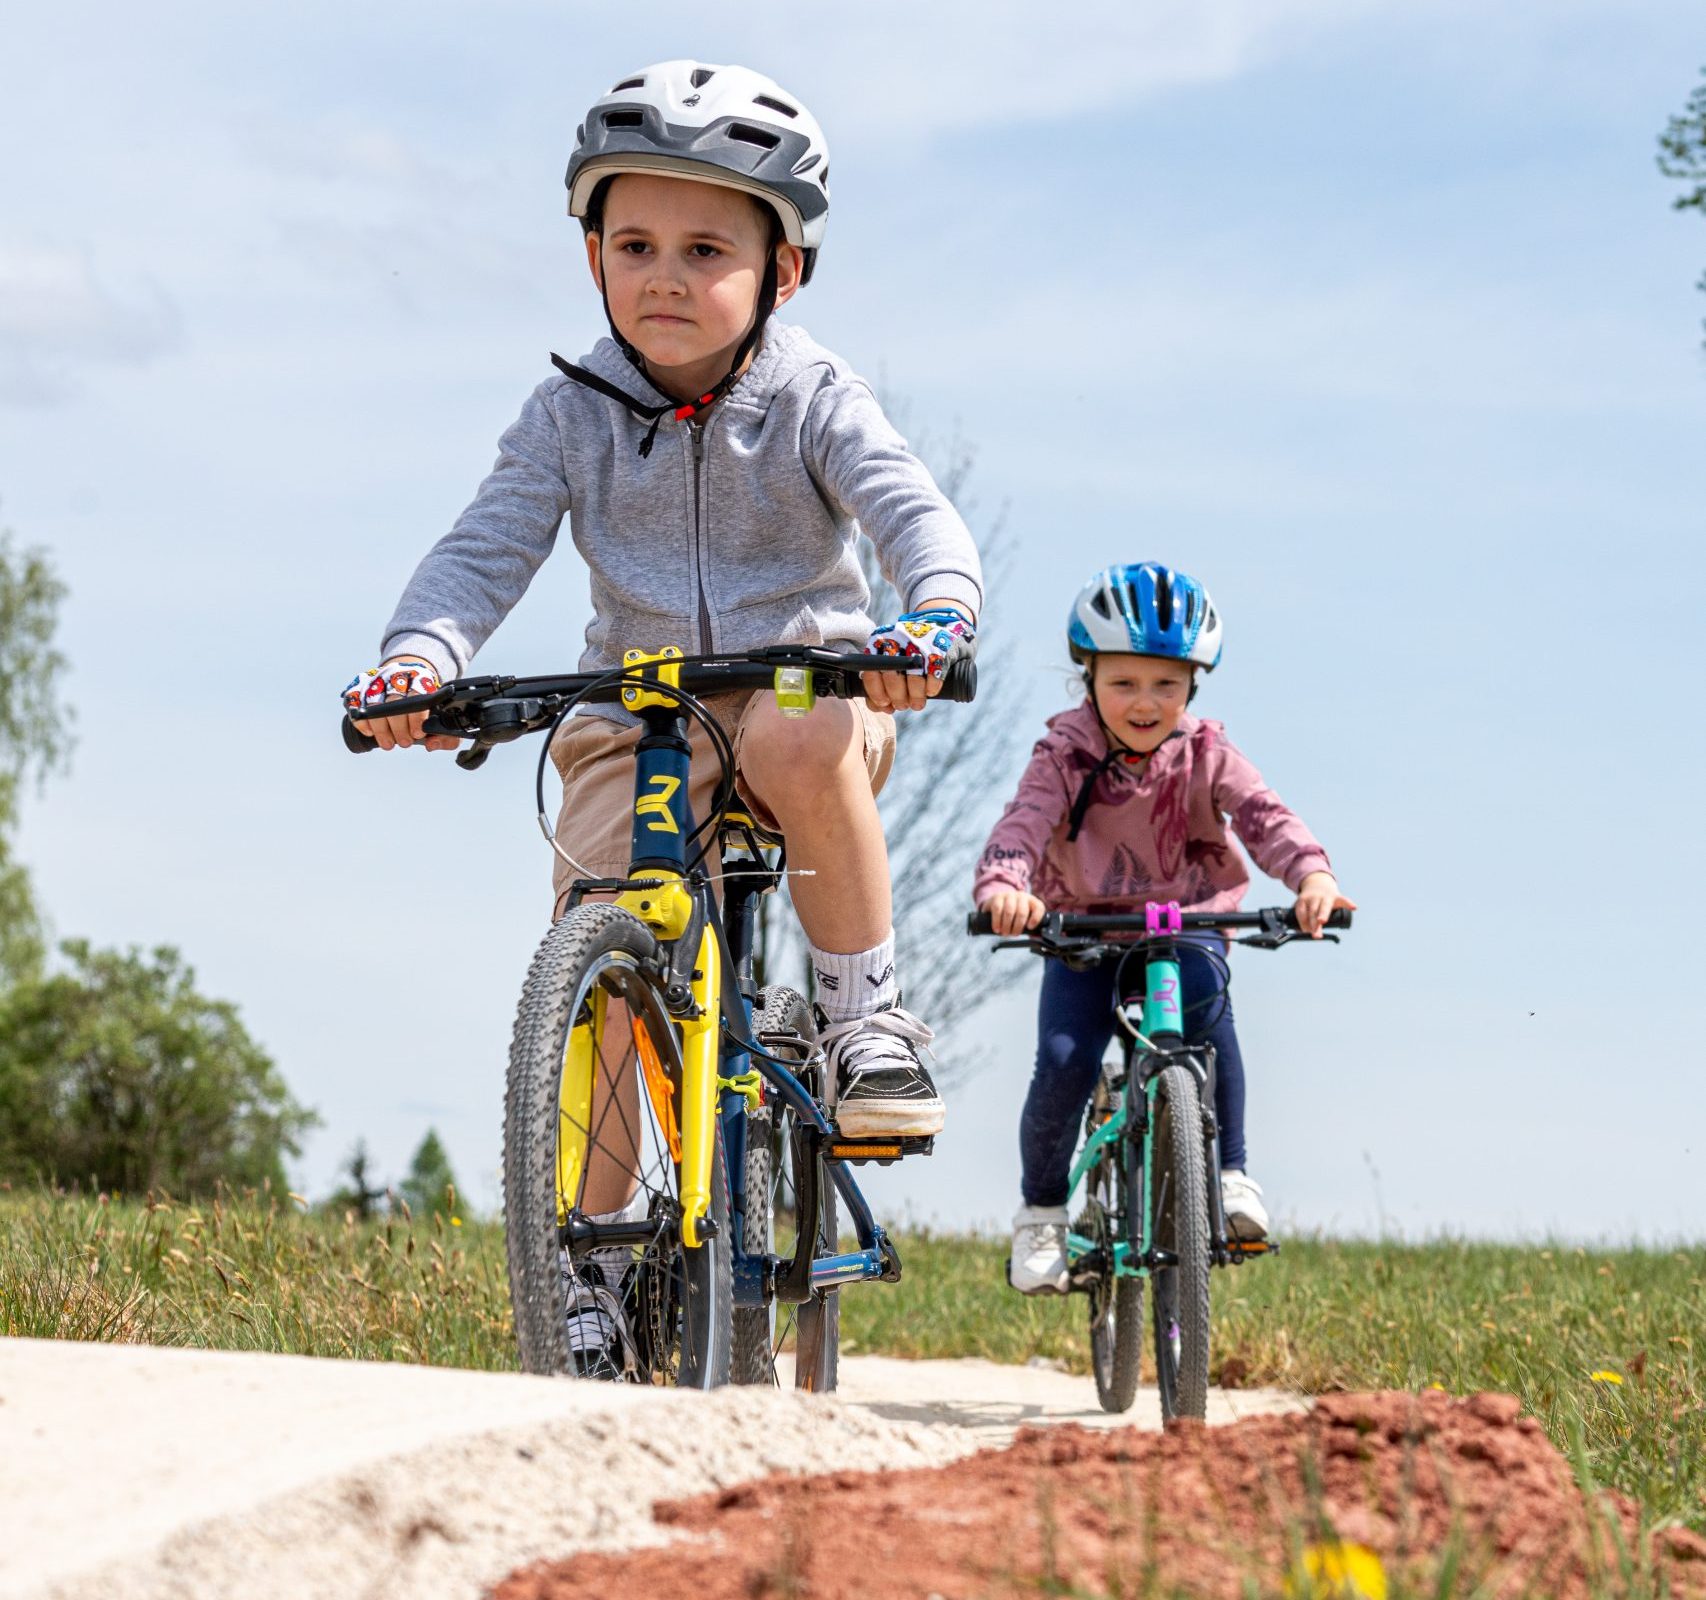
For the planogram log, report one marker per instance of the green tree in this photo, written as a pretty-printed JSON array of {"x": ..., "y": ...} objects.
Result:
[
  {"x": 1682, "y": 154},
  {"x": 430, "y": 1185},
  {"x": 359, "y": 1193},
  {"x": 35, "y": 732},
  {"x": 119, "y": 1072}
]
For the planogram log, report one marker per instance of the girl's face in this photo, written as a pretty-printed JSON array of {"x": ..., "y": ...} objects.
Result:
[
  {"x": 1142, "y": 698},
  {"x": 681, "y": 264}
]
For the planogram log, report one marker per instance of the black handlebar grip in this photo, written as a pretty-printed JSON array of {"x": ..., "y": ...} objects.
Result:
[
  {"x": 980, "y": 922},
  {"x": 358, "y": 743},
  {"x": 1339, "y": 917},
  {"x": 959, "y": 684}
]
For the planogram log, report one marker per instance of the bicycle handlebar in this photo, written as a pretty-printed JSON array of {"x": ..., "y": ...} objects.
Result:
[
  {"x": 496, "y": 709},
  {"x": 1058, "y": 925}
]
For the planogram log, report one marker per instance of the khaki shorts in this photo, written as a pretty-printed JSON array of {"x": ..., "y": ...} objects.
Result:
[{"x": 595, "y": 758}]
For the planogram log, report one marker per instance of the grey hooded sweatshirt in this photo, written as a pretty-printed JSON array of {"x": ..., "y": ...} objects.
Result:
[{"x": 735, "y": 534}]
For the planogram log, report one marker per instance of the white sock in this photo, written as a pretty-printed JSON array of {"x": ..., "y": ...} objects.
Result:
[{"x": 856, "y": 985}]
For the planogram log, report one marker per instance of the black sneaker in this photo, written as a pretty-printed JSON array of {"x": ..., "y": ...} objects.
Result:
[{"x": 882, "y": 1086}]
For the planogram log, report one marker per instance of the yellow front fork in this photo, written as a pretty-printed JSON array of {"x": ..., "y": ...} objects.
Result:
[
  {"x": 666, "y": 909},
  {"x": 700, "y": 1037}
]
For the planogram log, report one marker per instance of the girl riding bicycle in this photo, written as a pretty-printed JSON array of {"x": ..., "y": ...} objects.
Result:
[{"x": 1126, "y": 801}]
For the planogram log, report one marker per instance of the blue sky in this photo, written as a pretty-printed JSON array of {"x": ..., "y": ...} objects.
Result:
[{"x": 1373, "y": 315}]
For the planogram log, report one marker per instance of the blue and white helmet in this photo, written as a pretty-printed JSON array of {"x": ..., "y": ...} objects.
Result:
[{"x": 1145, "y": 609}]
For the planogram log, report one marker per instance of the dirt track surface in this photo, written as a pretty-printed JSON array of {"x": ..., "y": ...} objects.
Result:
[
  {"x": 131, "y": 1473},
  {"x": 1197, "y": 1511}
]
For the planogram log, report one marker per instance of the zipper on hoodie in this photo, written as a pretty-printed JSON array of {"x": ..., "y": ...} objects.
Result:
[{"x": 705, "y": 646}]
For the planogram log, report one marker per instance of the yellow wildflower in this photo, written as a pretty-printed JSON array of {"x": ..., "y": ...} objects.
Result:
[{"x": 1342, "y": 1571}]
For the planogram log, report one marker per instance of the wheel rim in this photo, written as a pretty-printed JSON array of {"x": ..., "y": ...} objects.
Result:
[{"x": 616, "y": 1115}]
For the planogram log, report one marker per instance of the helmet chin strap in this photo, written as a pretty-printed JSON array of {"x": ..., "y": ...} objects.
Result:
[{"x": 686, "y": 410}]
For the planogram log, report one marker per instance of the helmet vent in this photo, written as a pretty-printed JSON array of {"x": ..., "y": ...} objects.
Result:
[
  {"x": 1164, "y": 606},
  {"x": 807, "y": 165},
  {"x": 1190, "y": 608},
  {"x": 747, "y": 134},
  {"x": 702, "y": 76},
  {"x": 624, "y": 119},
  {"x": 629, "y": 83},
  {"x": 771, "y": 103},
  {"x": 1099, "y": 604}
]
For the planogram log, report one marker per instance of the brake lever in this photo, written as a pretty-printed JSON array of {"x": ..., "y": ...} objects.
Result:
[{"x": 1273, "y": 941}]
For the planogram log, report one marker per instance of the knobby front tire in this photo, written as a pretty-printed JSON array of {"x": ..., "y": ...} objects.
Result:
[
  {"x": 591, "y": 1110},
  {"x": 775, "y": 1158},
  {"x": 1179, "y": 1293}
]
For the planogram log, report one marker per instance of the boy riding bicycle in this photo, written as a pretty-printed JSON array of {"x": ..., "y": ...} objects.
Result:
[
  {"x": 717, "y": 467},
  {"x": 1125, "y": 802}
]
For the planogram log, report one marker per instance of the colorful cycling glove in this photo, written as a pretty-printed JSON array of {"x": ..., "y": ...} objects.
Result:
[
  {"x": 937, "y": 636},
  {"x": 370, "y": 687}
]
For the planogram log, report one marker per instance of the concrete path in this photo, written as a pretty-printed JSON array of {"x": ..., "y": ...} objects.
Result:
[
  {"x": 133, "y": 1473},
  {"x": 991, "y": 1403}
]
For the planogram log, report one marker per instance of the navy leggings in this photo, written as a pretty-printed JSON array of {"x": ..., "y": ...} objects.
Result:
[{"x": 1075, "y": 1021}]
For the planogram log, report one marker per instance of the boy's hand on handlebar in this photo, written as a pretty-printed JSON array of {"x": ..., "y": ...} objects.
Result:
[
  {"x": 936, "y": 634},
  {"x": 1317, "y": 897},
  {"x": 1012, "y": 911},
  {"x": 396, "y": 678}
]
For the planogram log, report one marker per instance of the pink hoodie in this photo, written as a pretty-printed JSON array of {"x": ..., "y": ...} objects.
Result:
[{"x": 1158, "y": 836}]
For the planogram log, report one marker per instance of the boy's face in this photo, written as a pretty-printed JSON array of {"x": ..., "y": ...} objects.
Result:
[
  {"x": 681, "y": 264},
  {"x": 1142, "y": 698}
]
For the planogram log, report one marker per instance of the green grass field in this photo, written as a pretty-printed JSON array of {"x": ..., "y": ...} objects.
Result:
[{"x": 1603, "y": 1346}]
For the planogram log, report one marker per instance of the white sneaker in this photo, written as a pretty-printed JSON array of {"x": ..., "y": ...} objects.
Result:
[
  {"x": 1038, "y": 1262},
  {"x": 1241, "y": 1201},
  {"x": 596, "y": 1327}
]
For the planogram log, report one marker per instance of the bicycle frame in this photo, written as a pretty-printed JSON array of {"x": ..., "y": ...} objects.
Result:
[
  {"x": 709, "y": 989},
  {"x": 1163, "y": 1037}
]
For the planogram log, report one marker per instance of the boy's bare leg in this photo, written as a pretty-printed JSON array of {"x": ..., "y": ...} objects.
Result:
[{"x": 810, "y": 774}]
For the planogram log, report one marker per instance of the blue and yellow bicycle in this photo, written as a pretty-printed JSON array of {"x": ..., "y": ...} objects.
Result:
[
  {"x": 1149, "y": 1168},
  {"x": 669, "y": 1150}
]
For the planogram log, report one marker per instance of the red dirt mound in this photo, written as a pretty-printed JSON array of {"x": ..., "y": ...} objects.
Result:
[{"x": 1207, "y": 1511}]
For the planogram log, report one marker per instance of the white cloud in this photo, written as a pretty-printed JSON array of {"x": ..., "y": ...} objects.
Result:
[
  {"x": 342, "y": 148},
  {"x": 57, "y": 318},
  {"x": 897, "y": 70}
]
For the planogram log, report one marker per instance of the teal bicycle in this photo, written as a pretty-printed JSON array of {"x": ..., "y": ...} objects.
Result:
[{"x": 1149, "y": 1169}]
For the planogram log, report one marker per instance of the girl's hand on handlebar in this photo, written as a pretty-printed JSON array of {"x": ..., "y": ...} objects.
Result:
[
  {"x": 934, "y": 634},
  {"x": 397, "y": 677},
  {"x": 1317, "y": 897},
  {"x": 1012, "y": 911}
]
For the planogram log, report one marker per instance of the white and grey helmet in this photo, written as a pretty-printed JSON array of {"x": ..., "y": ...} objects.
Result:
[{"x": 729, "y": 126}]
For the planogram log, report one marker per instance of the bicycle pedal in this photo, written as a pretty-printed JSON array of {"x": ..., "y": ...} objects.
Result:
[
  {"x": 884, "y": 1151},
  {"x": 1243, "y": 1249}
]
